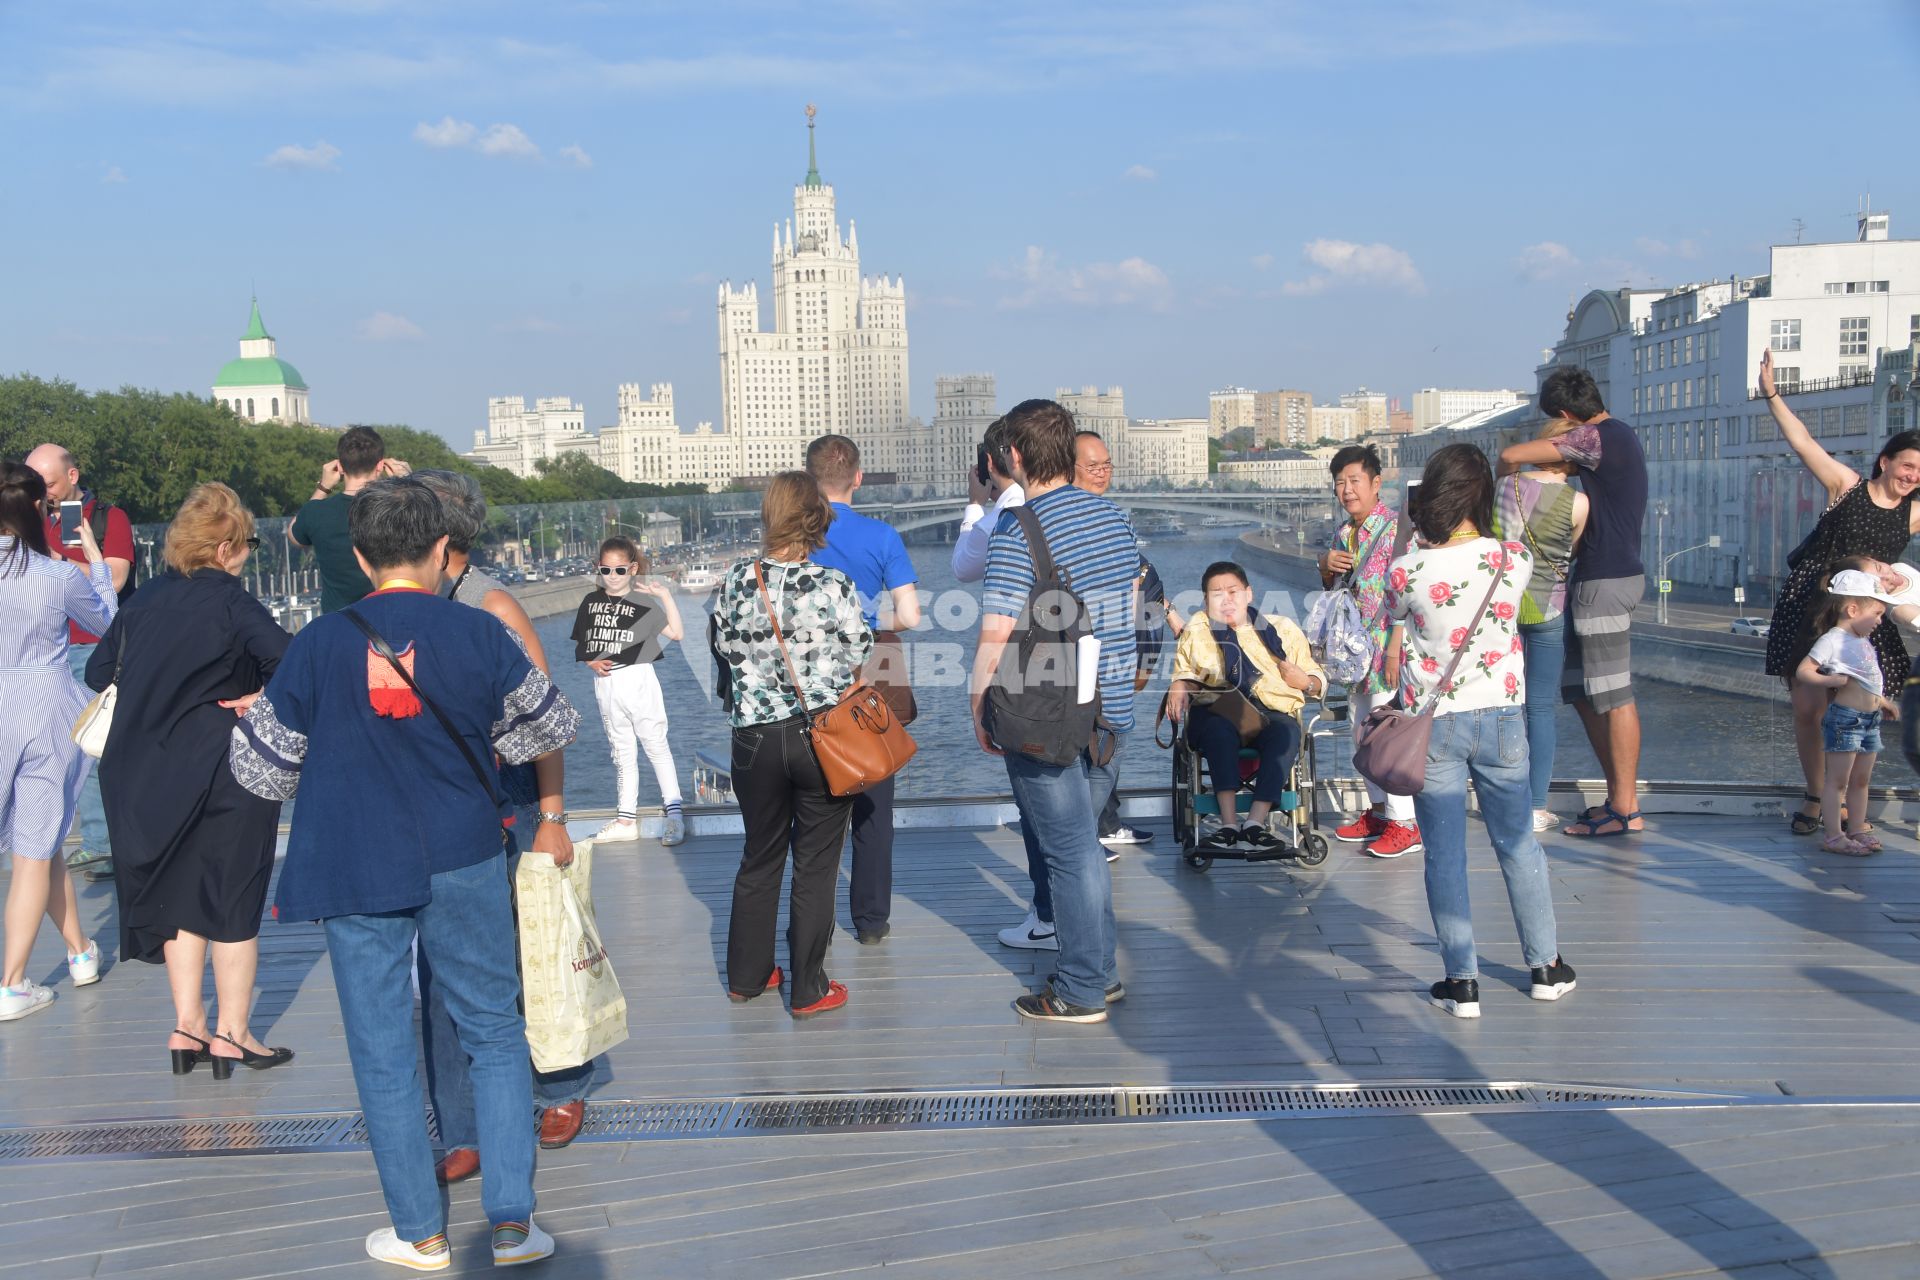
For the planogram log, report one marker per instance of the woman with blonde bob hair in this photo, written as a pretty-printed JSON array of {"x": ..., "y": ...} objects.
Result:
[
  {"x": 193, "y": 849},
  {"x": 781, "y": 595}
]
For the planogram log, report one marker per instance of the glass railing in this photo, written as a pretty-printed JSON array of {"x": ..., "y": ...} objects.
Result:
[{"x": 1709, "y": 713}]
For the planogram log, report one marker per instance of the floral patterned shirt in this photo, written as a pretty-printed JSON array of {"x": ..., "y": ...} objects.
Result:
[
  {"x": 1372, "y": 548},
  {"x": 1435, "y": 591},
  {"x": 819, "y": 613}
]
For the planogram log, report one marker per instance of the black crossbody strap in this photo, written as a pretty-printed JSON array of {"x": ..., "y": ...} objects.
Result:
[{"x": 385, "y": 650}]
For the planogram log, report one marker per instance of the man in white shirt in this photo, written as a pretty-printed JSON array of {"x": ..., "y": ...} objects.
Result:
[{"x": 985, "y": 501}]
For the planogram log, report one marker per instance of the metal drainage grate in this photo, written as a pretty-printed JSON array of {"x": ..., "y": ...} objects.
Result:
[{"x": 640, "y": 1121}]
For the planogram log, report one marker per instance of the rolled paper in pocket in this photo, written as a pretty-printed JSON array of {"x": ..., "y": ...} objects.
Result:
[{"x": 1087, "y": 666}]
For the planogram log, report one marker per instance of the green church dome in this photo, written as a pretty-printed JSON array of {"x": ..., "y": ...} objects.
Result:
[{"x": 259, "y": 371}]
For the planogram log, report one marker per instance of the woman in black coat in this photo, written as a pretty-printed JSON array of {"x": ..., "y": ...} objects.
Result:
[{"x": 193, "y": 850}]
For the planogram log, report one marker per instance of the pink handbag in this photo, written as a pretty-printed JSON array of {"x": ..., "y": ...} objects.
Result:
[{"x": 1390, "y": 745}]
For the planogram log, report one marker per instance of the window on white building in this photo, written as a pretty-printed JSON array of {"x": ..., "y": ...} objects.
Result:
[
  {"x": 1638, "y": 352},
  {"x": 1688, "y": 348},
  {"x": 1660, "y": 354},
  {"x": 1636, "y": 401},
  {"x": 1716, "y": 344},
  {"x": 1853, "y": 335},
  {"x": 1787, "y": 376},
  {"x": 1854, "y": 372},
  {"x": 1686, "y": 390},
  {"x": 1716, "y": 388},
  {"x": 1785, "y": 335}
]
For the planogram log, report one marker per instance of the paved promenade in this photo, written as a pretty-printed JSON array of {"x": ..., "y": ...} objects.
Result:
[{"x": 1716, "y": 956}]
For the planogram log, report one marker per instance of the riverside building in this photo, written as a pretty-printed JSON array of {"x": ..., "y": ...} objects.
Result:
[{"x": 518, "y": 439}]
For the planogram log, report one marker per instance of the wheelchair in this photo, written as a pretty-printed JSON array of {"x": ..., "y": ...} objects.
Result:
[{"x": 1293, "y": 820}]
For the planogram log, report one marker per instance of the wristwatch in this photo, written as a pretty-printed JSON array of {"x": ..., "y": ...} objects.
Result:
[{"x": 560, "y": 817}]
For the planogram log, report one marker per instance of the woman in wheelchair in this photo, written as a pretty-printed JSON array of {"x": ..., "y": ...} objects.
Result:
[{"x": 1240, "y": 679}]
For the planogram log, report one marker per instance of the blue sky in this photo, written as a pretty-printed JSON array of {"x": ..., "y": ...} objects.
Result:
[{"x": 439, "y": 202}]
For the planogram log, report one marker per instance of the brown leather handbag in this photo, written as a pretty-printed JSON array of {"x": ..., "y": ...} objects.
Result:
[
  {"x": 858, "y": 741},
  {"x": 888, "y": 670}
]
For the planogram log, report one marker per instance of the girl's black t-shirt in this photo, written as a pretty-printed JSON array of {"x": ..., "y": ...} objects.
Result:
[{"x": 625, "y": 628}]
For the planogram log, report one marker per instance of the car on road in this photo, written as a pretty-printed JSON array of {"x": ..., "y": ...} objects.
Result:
[{"x": 1749, "y": 626}]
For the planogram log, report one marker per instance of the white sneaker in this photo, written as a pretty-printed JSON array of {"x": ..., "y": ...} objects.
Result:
[
  {"x": 1545, "y": 821},
  {"x": 85, "y": 967},
  {"x": 619, "y": 831},
  {"x": 674, "y": 831},
  {"x": 385, "y": 1245},
  {"x": 18, "y": 1002},
  {"x": 1030, "y": 935},
  {"x": 536, "y": 1246}
]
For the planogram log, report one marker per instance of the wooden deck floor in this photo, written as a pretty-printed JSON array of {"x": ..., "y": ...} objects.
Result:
[{"x": 1712, "y": 954}]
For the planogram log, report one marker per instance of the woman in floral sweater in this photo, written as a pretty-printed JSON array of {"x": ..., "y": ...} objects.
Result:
[
  {"x": 1434, "y": 594},
  {"x": 784, "y": 800}
]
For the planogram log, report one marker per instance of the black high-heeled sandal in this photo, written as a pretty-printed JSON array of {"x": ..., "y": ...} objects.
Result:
[
  {"x": 185, "y": 1060},
  {"x": 223, "y": 1066}
]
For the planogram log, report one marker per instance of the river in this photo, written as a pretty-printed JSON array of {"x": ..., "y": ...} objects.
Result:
[{"x": 1687, "y": 734}]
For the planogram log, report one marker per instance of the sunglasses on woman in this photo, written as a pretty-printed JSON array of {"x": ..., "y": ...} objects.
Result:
[{"x": 618, "y": 570}]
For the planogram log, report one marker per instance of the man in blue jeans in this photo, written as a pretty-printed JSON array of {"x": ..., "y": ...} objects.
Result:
[
  {"x": 397, "y": 841},
  {"x": 1094, "y": 547}
]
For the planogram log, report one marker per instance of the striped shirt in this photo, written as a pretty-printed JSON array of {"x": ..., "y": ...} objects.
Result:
[{"x": 1093, "y": 545}]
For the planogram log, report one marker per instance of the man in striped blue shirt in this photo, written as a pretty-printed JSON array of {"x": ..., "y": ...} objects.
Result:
[{"x": 1094, "y": 547}]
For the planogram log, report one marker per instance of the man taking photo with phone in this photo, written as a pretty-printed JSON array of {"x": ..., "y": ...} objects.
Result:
[
  {"x": 114, "y": 532},
  {"x": 321, "y": 525}
]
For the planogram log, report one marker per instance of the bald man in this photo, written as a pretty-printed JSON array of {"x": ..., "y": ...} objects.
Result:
[{"x": 115, "y": 535}]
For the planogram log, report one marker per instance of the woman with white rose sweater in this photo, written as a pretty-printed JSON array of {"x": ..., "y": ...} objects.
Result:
[{"x": 1434, "y": 593}]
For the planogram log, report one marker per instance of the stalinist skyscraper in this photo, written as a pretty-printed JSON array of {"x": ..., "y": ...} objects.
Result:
[{"x": 835, "y": 357}]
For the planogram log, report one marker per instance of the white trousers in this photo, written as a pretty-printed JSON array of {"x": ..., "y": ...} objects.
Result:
[
  {"x": 633, "y": 710},
  {"x": 1360, "y": 703}
]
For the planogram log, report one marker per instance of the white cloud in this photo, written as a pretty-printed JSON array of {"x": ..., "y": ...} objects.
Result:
[
  {"x": 321, "y": 155},
  {"x": 1344, "y": 262},
  {"x": 1545, "y": 260},
  {"x": 507, "y": 140},
  {"x": 114, "y": 174},
  {"x": 1140, "y": 173},
  {"x": 385, "y": 326},
  {"x": 448, "y": 133},
  {"x": 576, "y": 156},
  {"x": 1045, "y": 281},
  {"x": 1666, "y": 249},
  {"x": 1262, "y": 261}
]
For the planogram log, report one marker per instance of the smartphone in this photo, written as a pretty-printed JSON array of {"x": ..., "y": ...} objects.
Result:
[
  {"x": 70, "y": 515},
  {"x": 980, "y": 468}
]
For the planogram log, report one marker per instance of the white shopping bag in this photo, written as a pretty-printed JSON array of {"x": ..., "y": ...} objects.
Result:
[{"x": 574, "y": 1007}]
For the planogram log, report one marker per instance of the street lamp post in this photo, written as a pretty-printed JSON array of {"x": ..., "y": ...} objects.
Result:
[{"x": 1712, "y": 541}]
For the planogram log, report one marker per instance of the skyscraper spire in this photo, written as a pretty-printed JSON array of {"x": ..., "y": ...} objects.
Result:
[{"x": 813, "y": 166}]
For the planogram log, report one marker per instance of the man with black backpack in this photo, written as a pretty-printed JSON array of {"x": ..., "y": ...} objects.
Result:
[
  {"x": 114, "y": 532},
  {"x": 1053, "y": 693}
]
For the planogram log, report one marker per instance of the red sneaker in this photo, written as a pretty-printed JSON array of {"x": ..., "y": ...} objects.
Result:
[
  {"x": 1368, "y": 826},
  {"x": 1398, "y": 838}
]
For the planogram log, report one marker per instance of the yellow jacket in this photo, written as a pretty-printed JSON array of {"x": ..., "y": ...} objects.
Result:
[{"x": 1198, "y": 659}]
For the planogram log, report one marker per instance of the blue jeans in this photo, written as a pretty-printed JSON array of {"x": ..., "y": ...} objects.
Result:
[
  {"x": 1059, "y": 820},
  {"x": 1545, "y": 654},
  {"x": 1103, "y": 784},
  {"x": 1491, "y": 745},
  {"x": 89, "y": 818},
  {"x": 1218, "y": 741},
  {"x": 466, "y": 939},
  {"x": 449, "y": 1079}
]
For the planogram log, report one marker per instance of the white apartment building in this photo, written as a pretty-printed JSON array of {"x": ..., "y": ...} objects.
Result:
[
  {"x": 1094, "y": 410},
  {"x": 1230, "y": 409},
  {"x": 517, "y": 438},
  {"x": 1435, "y": 405},
  {"x": 964, "y": 406},
  {"x": 1680, "y": 365},
  {"x": 835, "y": 358},
  {"x": 1150, "y": 453},
  {"x": 1286, "y": 469},
  {"x": 646, "y": 445},
  {"x": 1369, "y": 410},
  {"x": 1334, "y": 422}
]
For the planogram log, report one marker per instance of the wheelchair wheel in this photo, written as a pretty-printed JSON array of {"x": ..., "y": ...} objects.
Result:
[
  {"x": 1313, "y": 850},
  {"x": 1200, "y": 862}
]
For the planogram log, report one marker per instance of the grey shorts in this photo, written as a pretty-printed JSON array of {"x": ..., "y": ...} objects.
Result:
[{"x": 1599, "y": 668}]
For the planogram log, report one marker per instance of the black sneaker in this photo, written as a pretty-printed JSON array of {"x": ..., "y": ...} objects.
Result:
[
  {"x": 1550, "y": 982},
  {"x": 871, "y": 935},
  {"x": 1044, "y": 1006},
  {"x": 1262, "y": 842},
  {"x": 1115, "y": 993},
  {"x": 1458, "y": 996},
  {"x": 1222, "y": 837}
]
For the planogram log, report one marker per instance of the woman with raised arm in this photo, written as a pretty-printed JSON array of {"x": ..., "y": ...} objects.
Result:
[{"x": 1874, "y": 517}]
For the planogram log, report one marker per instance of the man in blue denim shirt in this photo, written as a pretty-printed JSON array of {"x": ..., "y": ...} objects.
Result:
[{"x": 397, "y": 839}]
